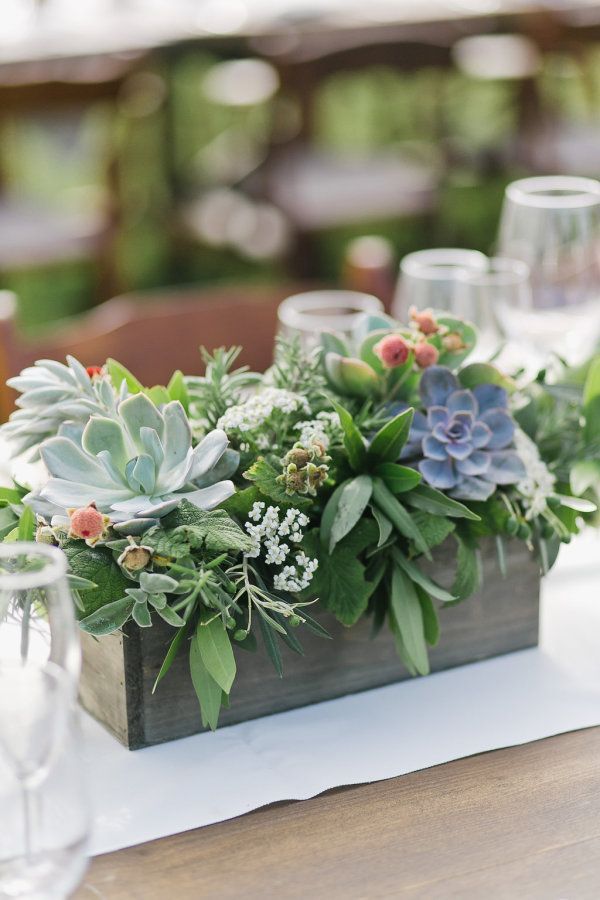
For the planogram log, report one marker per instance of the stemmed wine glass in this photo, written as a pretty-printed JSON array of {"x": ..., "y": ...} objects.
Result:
[
  {"x": 44, "y": 814},
  {"x": 552, "y": 223},
  {"x": 428, "y": 279}
]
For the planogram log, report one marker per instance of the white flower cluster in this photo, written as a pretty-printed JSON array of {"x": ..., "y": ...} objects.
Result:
[
  {"x": 260, "y": 407},
  {"x": 539, "y": 481},
  {"x": 267, "y": 534},
  {"x": 319, "y": 429}
]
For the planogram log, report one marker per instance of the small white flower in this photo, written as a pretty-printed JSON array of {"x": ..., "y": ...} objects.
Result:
[
  {"x": 266, "y": 529},
  {"x": 539, "y": 481},
  {"x": 259, "y": 408}
]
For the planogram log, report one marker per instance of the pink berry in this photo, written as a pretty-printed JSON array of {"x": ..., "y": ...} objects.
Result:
[
  {"x": 424, "y": 320},
  {"x": 393, "y": 350},
  {"x": 426, "y": 355},
  {"x": 87, "y": 522}
]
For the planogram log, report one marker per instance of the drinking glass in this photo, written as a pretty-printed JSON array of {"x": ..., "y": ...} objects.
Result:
[
  {"x": 489, "y": 298},
  {"x": 428, "y": 279},
  {"x": 553, "y": 224},
  {"x": 309, "y": 314},
  {"x": 42, "y": 802}
]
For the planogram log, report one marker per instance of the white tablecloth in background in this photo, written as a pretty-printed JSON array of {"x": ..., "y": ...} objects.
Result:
[{"x": 366, "y": 737}]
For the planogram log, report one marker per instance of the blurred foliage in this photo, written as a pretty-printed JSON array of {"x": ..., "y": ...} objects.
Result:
[{"x": 356, "y": 112}]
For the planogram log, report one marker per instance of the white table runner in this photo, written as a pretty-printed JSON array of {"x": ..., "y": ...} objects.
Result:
[{"x": 378, "y": 734}]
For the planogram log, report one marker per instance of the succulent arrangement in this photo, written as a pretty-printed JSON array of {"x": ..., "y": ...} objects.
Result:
[{"x": 234, "y": 506}]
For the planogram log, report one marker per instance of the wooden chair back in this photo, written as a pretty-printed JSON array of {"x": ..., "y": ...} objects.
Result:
[{"x": 151, "y": 333}]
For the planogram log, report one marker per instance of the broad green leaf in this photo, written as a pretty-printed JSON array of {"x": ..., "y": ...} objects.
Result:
[
  {"x": 141, "y": 615},
  {"x": 271, "y": 645},
  {"x": 26, "y": 530},
  {"x": 406, "y": 610},
  {"x": 210, "y": 529},
  {"x": 265, "y": 476},
  {"x": 240, "y": 503},
  {"x": 10, "y": 495},
  {"x": 591, "y": 388},
  {"x": 385, "y": 526},
  {"x": 331, "y": 343},
  {"x": 8, "y": 522},
  {"x": 96, "y": 564},
  {"x": 352, "y": 503},
  {"x": 484, "y": 373},
  {"x": 431, "y": 623},
  {"x": 158, "y": 394},
  {"x": 431, "y": 501},
  {"x": 329, "y": 514},
  {"x": 170, "y": 616},
  {"x": 119, "y": 373},
  {"x": 80, "y": 584},
  {"x": 415, "y": 574},
  {"x": 468, "y": 575},
  {"x": 215, "y": 649},
  {"x": 397, "y": 478},
  {"x": 389, "y": 440},
  {"x": 109, "y": 617},
  {"x": 353, "y": 442},
  {"x": 170, "y": 655},
  {"x": 468, "y": 335},
  {"x": 177, "y": 389},
  {"x": 207, "y": 690},
  {"x": 340, "y": 581},
  {"x": 400, "y": 645},
  {"x": 398, "y": 515},
  {"x": 435, "y": 529}
]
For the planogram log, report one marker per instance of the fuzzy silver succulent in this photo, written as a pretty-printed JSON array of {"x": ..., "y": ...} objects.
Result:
[
  {"x": 55, "y": 398},
  {"x": 136, "y": 467}
]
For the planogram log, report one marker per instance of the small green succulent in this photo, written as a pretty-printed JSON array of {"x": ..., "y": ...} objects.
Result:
[{"x": 136, "y": 467}]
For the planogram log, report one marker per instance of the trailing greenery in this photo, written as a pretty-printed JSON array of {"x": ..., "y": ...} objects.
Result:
[{"x": 234, "y": 507}]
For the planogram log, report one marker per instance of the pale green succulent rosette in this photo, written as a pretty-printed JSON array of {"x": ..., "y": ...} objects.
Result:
[{"x": 136, "y": 467}]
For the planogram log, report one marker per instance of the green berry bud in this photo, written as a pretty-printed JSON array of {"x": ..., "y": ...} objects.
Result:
[
  {"x": 566, "y": 539},
  {"x": 524, "y": 531},
  {"x": 547, "y": 530},
  {"x": 511, "y": 525},
  {"x": 295, "y": 621},
  {"x": 230, "y": 622},
  {"x": 240, "y": 634}
]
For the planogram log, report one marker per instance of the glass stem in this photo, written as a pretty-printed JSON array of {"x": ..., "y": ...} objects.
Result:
[{"x": 29, "y": 809}]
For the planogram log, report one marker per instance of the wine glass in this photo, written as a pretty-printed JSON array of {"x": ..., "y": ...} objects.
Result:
[
  {"x": 552, "y": 223},
  {"x": 309, "y": 314},
  {"x": 428, "y": 279},
  {"x": 489, "y": 298},
  {"x": 44, "y": 814}
]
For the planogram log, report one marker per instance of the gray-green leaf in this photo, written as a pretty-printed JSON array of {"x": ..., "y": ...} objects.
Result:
[
  {"x": 216, "y": 652},
  {"x": 352, "y": 503}
]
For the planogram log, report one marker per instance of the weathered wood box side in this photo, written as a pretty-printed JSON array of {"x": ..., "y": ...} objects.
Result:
[{"x": 119, "y": 670}]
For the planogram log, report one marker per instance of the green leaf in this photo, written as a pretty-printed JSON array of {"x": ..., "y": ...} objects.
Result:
[
  {"x": 158, "y": 394},
  {"x": 265, "y": 476},
  {"x": 109, "y": 617},
  {"x": 271, "y": 645},
  {"x": 331, "y": 343},
  {"x": 353, "y": 442},
  {"x": 389, "y": 440},
  {"x": 314, "y": 626},
  {"x": 170, "y": 616},
  {"x": 172, "y": 543},
  {"x": 170, "y": 655},
  {"x": 177, "y": 389},
  {"x": 26, "y": 530},
  {"x": 484, "y": 373},
  {"x": 80, "y": 584},
  {"x": 351, "y": 505},
  {"x": 8, "y": 523},
  {"x": 400, "y": 518},
  {"x": 397, "y": 478},
  {"x": 435, "y": 529},
  {"x": 468, "y": 576},
  {"x": 385, "y": 526},
  {"x": 240, "y": 503},
  {"x": 468, "y": 335},
  {"x": 431, "y": 623},
  {"x": 96, "y": 564},
  {"x": 207, "y": 690},
  {"x": 289, "y": 636},
  {"x": 415, "y": 574},
  {"x": 212, "y": 529},
  {"x": 215, "y": 649},
  {"x": 406, "y": 610},
  {"x": 329, "y": 514},
  {"x": 431, "y": 501},
  {"x": 10, "y": 495},
  {"x": 579, "y": 504},
  {"x": 340, "y": 581},
  {"x": 591, "y": 388},
  {"x": 400, "y": 645},
  {"x": 141, "y": 615},
  {"x": 119, "y": 373}
]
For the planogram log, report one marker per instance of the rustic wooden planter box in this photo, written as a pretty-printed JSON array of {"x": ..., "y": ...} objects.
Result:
[{"x": 119, "y": 670}]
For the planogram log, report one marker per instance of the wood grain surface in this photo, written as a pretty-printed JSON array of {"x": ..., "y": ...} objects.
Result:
[{"x": 515, "y": 824}]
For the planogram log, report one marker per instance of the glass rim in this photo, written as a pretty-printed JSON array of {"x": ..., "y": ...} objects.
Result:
[
  {"x": 294, "y": 311},
  {"x": 538, "y": 192},
  {"x": 500, "y": 270},
  {"x": 55, "y": 568},
  {"x": 437, "y": 264}
]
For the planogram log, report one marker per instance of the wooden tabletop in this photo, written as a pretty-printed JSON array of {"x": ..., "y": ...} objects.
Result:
[{"x": 515, "y": 824}]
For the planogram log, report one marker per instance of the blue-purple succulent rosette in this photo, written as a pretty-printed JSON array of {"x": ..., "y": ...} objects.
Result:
[{"x": 461, "y": 442}]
